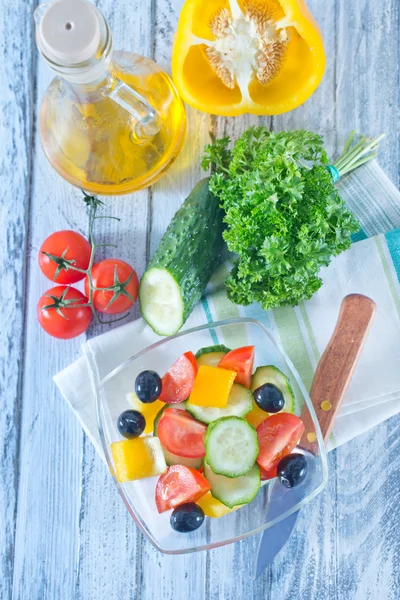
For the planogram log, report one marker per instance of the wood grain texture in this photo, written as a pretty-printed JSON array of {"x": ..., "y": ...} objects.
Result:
[
  {"x": 15, "y": 175},
  {"x": 73, "y": 537}
]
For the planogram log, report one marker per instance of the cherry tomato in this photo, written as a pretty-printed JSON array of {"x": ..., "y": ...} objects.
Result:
[
  {"x": 277, "y": 436},
  {"x": 178, "y": 382},
  {"x": 240, "y": 360},
  {"x": 63, "y": 322},
  {"x": 72, "y": 247},
  {"x": 181, "y": 434},
  {"x": 116, "y": 273},
  {"x": 180, "y": 485}
]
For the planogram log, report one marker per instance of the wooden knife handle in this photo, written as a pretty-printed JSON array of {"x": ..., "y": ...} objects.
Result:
[{"x": 336, "y": 366}]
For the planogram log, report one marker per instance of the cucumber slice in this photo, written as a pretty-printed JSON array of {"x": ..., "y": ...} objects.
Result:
[
  {"x": 180, "y": 405},
  {"x": 212, "y": 355},
  {"x": 231, "y": 446},
  {"x": 161, "y": 302},
  {"x": 240, "y": 402},
  {"x": 273, "y": 375},
  {"x": 236, "y": 491},
  {"x": 174, "y": 459}
]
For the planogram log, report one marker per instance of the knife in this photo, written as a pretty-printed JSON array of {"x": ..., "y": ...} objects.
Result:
[{"x": 331, "y": 380}]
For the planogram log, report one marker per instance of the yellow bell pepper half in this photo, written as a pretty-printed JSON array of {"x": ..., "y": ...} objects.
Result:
[
  {"x": 212, "y": 387},
  {"x": 232, "y": 57},
  {"x": 138, "y": 458}
]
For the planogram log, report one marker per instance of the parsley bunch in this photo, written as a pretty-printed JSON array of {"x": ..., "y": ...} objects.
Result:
[{"x": 285, "y": 219}]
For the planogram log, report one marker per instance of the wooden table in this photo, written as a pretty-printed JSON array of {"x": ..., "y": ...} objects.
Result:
[{"x": 64, "y": 532}]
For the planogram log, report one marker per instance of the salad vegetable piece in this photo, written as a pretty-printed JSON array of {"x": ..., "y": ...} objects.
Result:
[
  {"x": 138, "y": 458},
  {"x": 178, "y": 382},
  {"x": 212, "y": 387},
  {"x": 211, "y": 355},
  {"x": 187, "y": 517},
  {"x": 180, "y": 434},
  {"x": 278, "y": 435},
  {"x": 240, "y": 360},
  {"x": 231, "y": 446},
  {"x": 179, "y": 485},
  {"x": 148, "y": 386}
]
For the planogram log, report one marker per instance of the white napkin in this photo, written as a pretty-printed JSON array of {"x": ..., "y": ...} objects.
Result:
[{"x": 370, "y": 267}]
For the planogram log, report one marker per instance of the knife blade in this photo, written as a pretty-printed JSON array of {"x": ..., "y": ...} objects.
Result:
[{"x": 331, "y": 380}]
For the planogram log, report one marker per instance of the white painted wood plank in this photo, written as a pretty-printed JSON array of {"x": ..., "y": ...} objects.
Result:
[
  {"x": 368, "y": 469},
  {"x": 67, "y": 497},
  {"x": 230, "y": 570},
  {"x": 15, "y": 144},
  {"x": 306, "y": 567},
  {"x": 164, "y": 576},
  {"x": 109, "y": 559},
  {"x": 341, "y": 548}
]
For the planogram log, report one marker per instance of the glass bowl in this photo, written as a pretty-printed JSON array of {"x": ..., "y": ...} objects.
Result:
[{"x": 139, "y": 495}]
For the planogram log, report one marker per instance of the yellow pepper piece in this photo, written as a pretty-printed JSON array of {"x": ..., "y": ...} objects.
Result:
[
  {"x": 256, "y": 416},
  {"x": 138, "y": 458},
  {"x": 212, "y": 387},
  {"x": 232, "y": 57},
  {"x": 149, "y": 411},
  {"x": 214, "y": 508}
]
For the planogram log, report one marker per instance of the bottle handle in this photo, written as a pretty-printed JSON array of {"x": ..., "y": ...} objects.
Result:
[{"x": 147, "y": 120}]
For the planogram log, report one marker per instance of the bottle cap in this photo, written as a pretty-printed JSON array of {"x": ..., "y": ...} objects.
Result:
[{"x": 69, "y": 32}]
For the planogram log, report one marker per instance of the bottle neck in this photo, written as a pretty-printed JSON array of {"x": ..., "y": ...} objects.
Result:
[{"x": 92, "y": 72}]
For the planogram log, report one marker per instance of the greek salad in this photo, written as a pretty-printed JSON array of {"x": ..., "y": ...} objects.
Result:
[{"x": 211, "y": 430}]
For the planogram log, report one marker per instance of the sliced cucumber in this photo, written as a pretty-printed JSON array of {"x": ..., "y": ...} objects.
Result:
[
  {"x": 180, "y": 405},
  {"x": 174, "y": 459},
  {"x": 231, "y": 446},
  {"x": 212, "y": 355},
  {"x": 240, "y": 402},
  {"x": 181, "y": 267},
  {"x": 233, "y": 491},
  {"x": 273, "y": 375}
]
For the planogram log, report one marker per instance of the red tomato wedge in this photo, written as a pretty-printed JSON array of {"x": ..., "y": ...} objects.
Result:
[
  {"x": 277, "y": 436},
  {"x": 180, "y": 485},
  {"x": 240, "y": 360},
  {"x": 178, "y": 382},
  {"x": 181, "y": 434},
  {"x": 265, "y": 475}
]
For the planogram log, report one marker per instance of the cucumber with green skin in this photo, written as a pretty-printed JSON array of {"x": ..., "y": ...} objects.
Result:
[
  {"x": 212, "y": 349},
  {"x": 181, "y": 267}
]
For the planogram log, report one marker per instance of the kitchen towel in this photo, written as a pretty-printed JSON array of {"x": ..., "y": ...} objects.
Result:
[{"x": 371, "y": 267}]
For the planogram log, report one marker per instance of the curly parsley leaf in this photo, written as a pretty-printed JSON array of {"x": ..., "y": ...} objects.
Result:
[{"x": 285, "y": 219}]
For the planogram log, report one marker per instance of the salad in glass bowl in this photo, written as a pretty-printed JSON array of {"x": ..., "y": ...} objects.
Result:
[{"x": 205, "y": 431}]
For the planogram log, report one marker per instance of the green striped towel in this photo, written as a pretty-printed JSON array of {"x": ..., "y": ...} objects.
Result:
[{"x": 370, "y": 267}]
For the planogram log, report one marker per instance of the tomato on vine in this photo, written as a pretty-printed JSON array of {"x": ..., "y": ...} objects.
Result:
[
  {"x": 115, "y": 286},
  {"x": 63, "y": 255},
  {"x": 63, "y": 312},
  {"x": 111, "y": 286}
]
